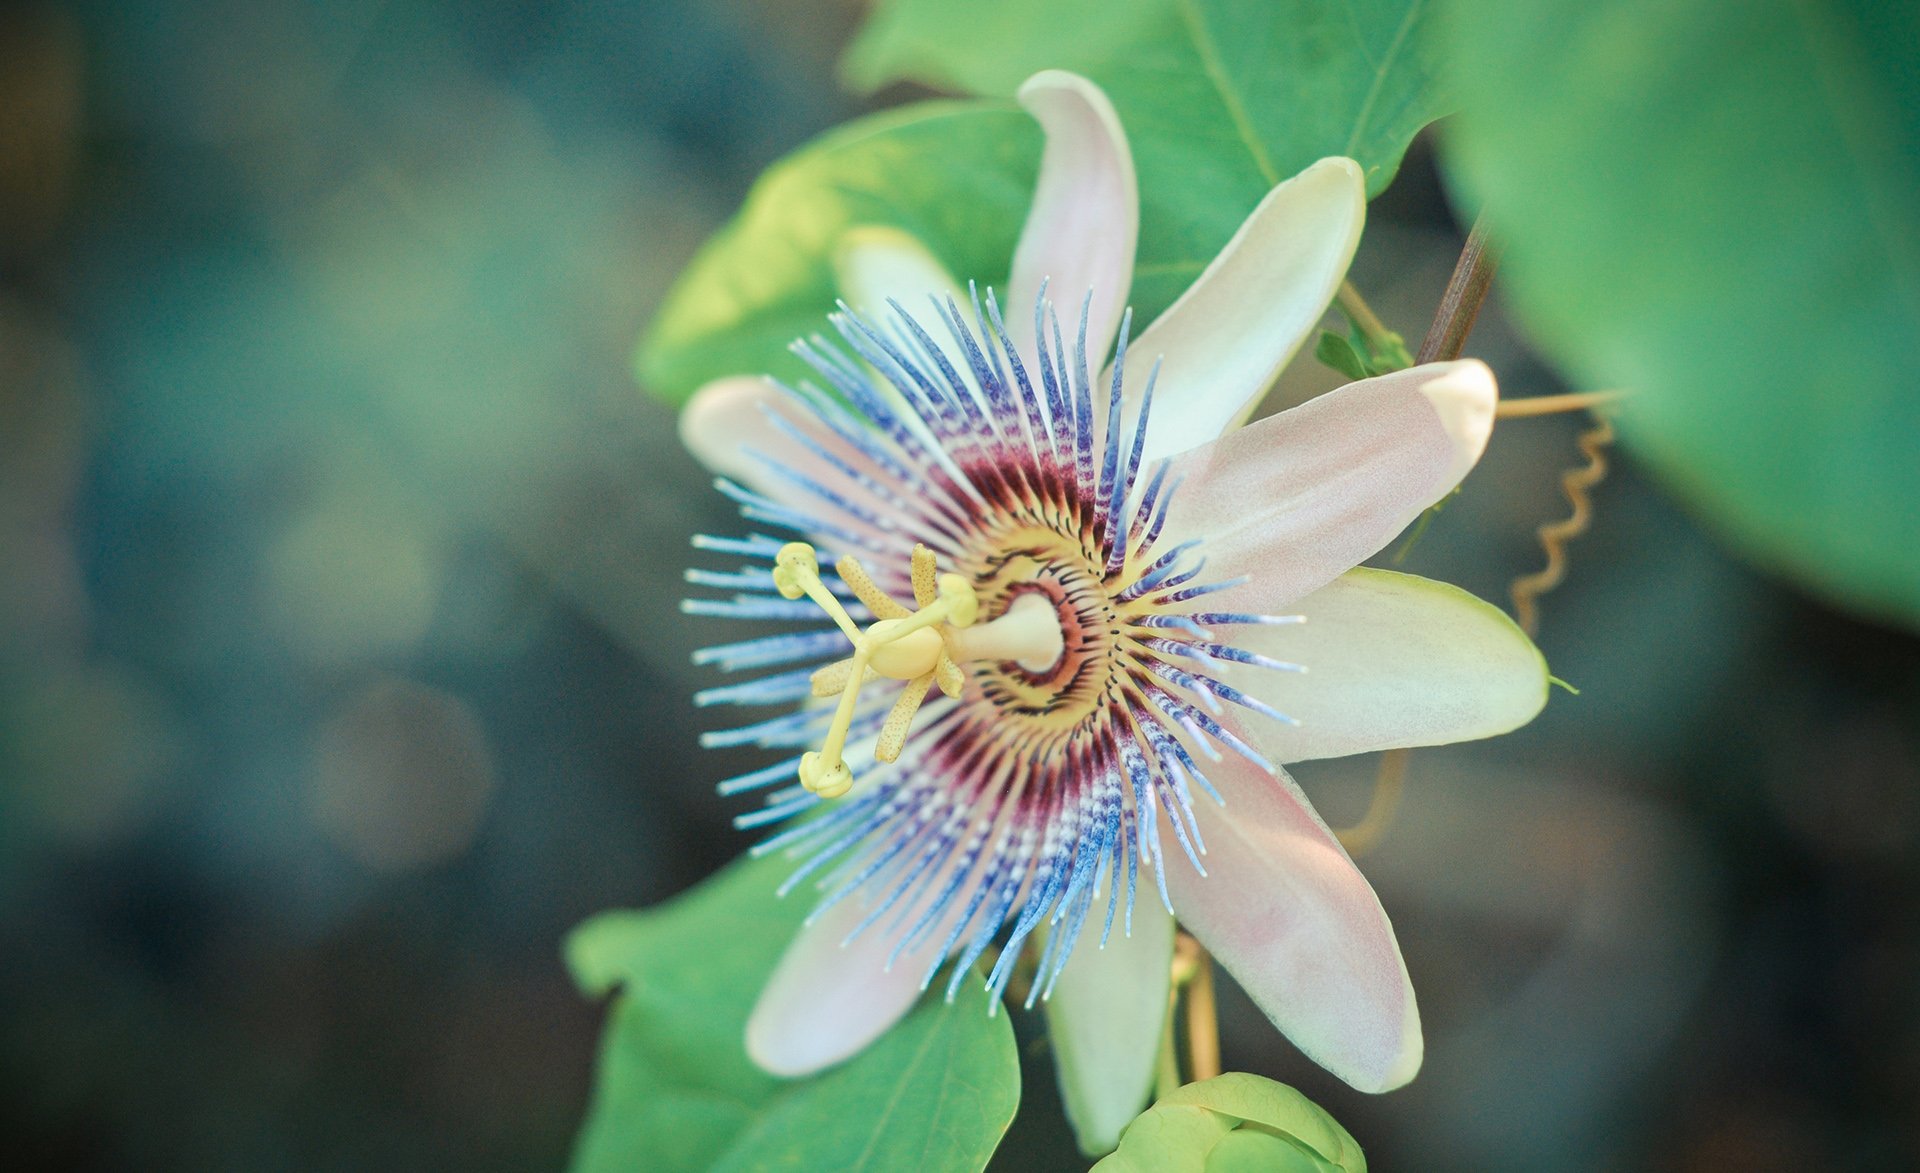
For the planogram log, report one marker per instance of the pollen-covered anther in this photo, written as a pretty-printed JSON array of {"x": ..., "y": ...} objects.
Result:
[{"x": 915, "y": 646}]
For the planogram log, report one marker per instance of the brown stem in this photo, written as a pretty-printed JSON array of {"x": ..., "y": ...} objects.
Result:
[{"x": 1460, "y": 304}]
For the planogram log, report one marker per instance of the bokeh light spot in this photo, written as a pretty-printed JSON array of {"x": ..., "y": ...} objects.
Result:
[
  {"x": 89, "y": 748},
  {"x": 402, "y": 776},
  {"x": 352, "y": 577}
]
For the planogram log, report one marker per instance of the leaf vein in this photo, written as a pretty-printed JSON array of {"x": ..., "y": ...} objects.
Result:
[
  {"x": 1217, "y": 74},
  {"x": 899, "y": 1090},
  {"x": 1380, "y": 71}
]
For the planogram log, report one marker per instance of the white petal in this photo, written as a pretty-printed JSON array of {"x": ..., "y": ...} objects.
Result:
[
  {"x": 874, "y": 263},
  {"x": 1295, "y": 499},
  {"x": 1391, "y": 660},
  {"x": 1298, "y": 926},
  {"x": 1104, "y": 1020},
  {"x": 1081, "y": 230},
  {"x": 825, "y": 1002},
  {"x": 723, "y": 419},
  {"x": 1230, "y": 334}
]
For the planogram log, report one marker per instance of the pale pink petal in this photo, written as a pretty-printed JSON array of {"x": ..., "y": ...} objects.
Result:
[
  {"x": 874, "y": 264},
  {"x": 1391, "y": 660},
  {"x": 1104, "y": 1019},
  {"x": 1298, "y": 926},
  {"x": 729, "y": 426},
  {"x": 1295, "y": 499},
  {"x": 1080, "y": 232},
  {"x": 1227, "y": 338},
  {"x": 825, "y": 1002},
  {"x": 723, "y": 419}
]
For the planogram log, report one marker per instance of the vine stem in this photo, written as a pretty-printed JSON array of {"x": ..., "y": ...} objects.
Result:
[
  {"x": 1388, "y": 785},
  {"x": 1193, "y": 973},
  {"x": 1203, "y": 1021},
  {"x": 1362, "y": 314},
  {"x": 1577, "y": 484},
  {"x": 1538, "y": 405},
  {"x": 1186, "y": 956},
  {"x": 1166, "y": 1072}
]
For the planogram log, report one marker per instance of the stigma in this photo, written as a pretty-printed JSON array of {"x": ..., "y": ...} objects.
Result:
[{"x": 923, "y": 646}]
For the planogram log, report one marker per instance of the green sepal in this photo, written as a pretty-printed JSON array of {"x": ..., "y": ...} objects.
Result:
[
  {"x": 1338, "y": 352},
  {"x": 1235, "y": 1122}
]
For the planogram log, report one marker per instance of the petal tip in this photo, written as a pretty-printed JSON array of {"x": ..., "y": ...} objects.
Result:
[
  {"x": 1085, "y": 217},
  {"x": 1334, "y": 190},
  {"x": 1056, "y": 98},
  {"x": 824, "y": 1003},
  {"x": 1342, "y": 169},
  {"x": 763, "y": 1044},
  {"x": 1463, "y": 394},
  {"x": 1053, "y": 81},
  {"x": 1401, "y": 1064},
  {"x": 704, "y": 424},
  {"x": 1413, "y": 1052},
  {"x": 1398, "y": 1076},
  {"x": 876, "y": 263}
]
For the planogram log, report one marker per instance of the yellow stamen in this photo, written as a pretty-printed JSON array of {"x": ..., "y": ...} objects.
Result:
[
  {"x": 925, "y": 582},
  {"x": 893, "y": 735},
  {"x": 877, "y": 600},
  {"x": 829, "y": 681},
  {"x": 796, "y": 571},
  {"x": 948, "y": 676},
  {"x": 917, "y": 646}
]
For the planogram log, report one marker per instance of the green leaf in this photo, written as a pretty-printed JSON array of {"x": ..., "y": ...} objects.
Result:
[
  {"x": 1235, "y": 1122},
  {"x": 958, "y": 175},
  {"x": 1336, "y": 351},
  {"x": 935, "y": 1093},
  {"x": 1717, "y": 206},
  {"x": 1384, "y": 352},
  {"x": 675, "y": 1085},
  {"x": 1254, "y": 1150},
  {"x": 676, "y": 1092},
  {"x": 1222, "y": 99}
]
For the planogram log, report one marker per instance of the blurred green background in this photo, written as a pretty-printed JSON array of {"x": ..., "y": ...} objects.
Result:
[{"x": 340, "y": 672}]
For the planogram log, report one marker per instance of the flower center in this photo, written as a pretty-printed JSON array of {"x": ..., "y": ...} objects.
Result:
[
  {"x": 1095, "y": 687},
  {"x": 1037, "y": 572},
  {"x": 923, "y": 646}
]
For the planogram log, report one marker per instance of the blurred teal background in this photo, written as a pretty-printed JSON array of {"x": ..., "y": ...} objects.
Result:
[{"x": 340, "y": 672}]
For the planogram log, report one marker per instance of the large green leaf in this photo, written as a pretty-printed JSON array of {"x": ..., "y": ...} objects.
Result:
[
  {"x": 1718, "y": 206},
  {"x": 675, "y": 1084},
  {"x": 1235, "y": 1122},
  {"x": 677, "y": 1093},
  {"x": 958, "y": 175},
  {"x": 1222, "y": 99}
]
